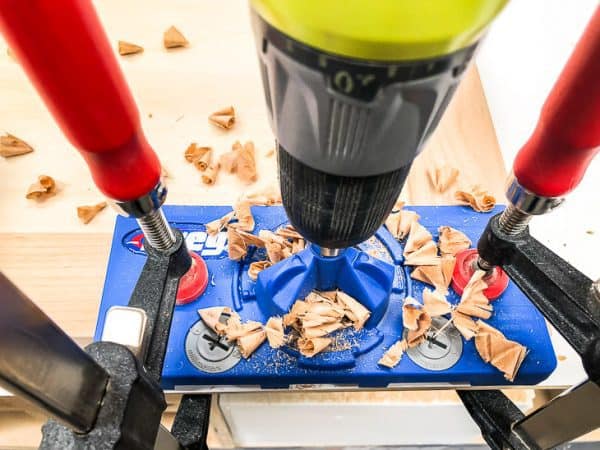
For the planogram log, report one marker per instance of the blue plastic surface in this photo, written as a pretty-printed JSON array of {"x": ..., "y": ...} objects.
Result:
[{"x": 355, "y": 364}]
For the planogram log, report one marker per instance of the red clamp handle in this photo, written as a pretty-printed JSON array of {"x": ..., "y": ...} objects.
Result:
[
  {"x": 567, "y": 136},
  {"x": 66, "y": 54}
]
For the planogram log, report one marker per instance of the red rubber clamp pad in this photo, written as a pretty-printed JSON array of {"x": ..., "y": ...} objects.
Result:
[
  {"x": 464, "y": 268},
  {"x": 67, "y": 56},
  {"x": 193, "y": 284},
  {"x": 567, "y": 136}
]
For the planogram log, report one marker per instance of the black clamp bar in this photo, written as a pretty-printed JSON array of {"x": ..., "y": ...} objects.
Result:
[{"x": 568, "y": 300}]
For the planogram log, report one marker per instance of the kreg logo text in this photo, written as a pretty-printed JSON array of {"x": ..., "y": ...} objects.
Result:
[{"x": 197, "y": 241}]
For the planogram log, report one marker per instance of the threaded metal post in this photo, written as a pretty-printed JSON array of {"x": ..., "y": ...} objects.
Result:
[
  {"x": 513, "y": 221},
  {"x": 157, "y": 231}
]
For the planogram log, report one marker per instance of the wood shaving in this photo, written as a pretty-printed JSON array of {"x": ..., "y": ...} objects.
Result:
[
  {"x": 442, "y": 177},
  {"x": 203, "y": 162},
  {"x": 418, "y": 236},
  {"x": 249, "y": 343},
  {"x": 251, "y": 239},
  {"x": 246, "y": 164},
  {"x": 210, "y": 175},
  {"x": 256, "y": 267},
  {"x": 173, "y": 38},
  {"x": 477, "y": 198},
  {"x": 211, "y": 316},
  {"x": 464, "y": 324},
  {"x": 473, "y": 301},
  {"x": 298, "y": 245},
  {"x": 274, "y": 252},
  {"x": 87, "y": 213},
  {"x": 223, "y": 118},
  {"x": 392, "y": 356},
  {"x": 127, "y": 48},
  {"x": 275, "y": 332},
  {"x": 424, "y": 256},
  {"x": 411, "y": 312},
  {"x": 267, "y": 196},
  {"x": 236, "y": 330},
  {"x": 43, "y": 188},
  {"x": 354, "y": 310},
  {"x": 435, "y": 303},
  {"x": 322, "y": 330},
  {"x": 270, "y": 153},
  {"x": 309, "y": 347},
  {"x": 269, "y": 236},
  {"x": 452, "y": 241},
  {"x": 229, "y": 160},
  {"x": 288, "y": 232},
  {"x": 439, "y": 275},
  {"x": 11, "y": 146},
  {"x": 243, "y": 213},
  {"x": 416, "y": 337},
  {"x": 399, "y": 222},
  {"x": 496, "y": 349},
  {"x": 237, "y": 248},
  {"x": 216, "y": 226}
]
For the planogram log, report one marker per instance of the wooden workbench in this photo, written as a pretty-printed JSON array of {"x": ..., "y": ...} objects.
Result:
[{"x": 60, "y": 263}]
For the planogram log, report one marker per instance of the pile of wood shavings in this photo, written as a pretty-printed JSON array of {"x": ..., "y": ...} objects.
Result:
[
  {"x": 436, "y": 270},
  {"x": 311, "y": 322}
]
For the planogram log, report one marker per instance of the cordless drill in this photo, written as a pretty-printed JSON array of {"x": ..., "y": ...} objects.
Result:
[{"x": 354, "y": 89}]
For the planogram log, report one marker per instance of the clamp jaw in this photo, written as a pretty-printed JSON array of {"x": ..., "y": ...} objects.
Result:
[{"x": 549, "y": 166}]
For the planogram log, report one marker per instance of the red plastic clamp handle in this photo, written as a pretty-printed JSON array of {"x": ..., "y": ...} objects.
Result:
[
  {"x": 66, "y": 54},
  {"x": 567, "y": 136}
]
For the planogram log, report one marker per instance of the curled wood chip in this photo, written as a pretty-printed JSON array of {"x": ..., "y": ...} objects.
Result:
[
  {"x": 399, "y": 223},
  {"x": 452, "y": 241},
  {"x": 250, "y": 342},
  {"x": 223, "y": 118},
  {"x": 269, "y": 236},
  {"x": 13, "y": 146},
  {"x": 435, "y": 303},
  {"x": 228, "y": 162},
  {"x": 416, "y": 337},
  {"x": 203, "y": 161},
  {"x": 411, "y": 312},
  {"x": 289, "y": 232},
  {"x": 274, "y": 252},
  {"x": 246, "y": 164},
  {"x": 237, "y": 248},
  {"x": 87, "y": 213},
  {"x": 424, "y": 256},
  {"x": 473, "y": 301},
  {"x": 251, "y": 239},
  {"x": 43, "y": 188},
  {"x": 127, "y": 48},
  {"x": 322, "y": 330},
  {"x": 417, "y": 237},
  {"x": 173, "y": 38},
  {"x": 355, "y": 311},
  {"x": 211, "y": 316},
  {"x": 477, "y": 198},
  {"x": 216, "y": 226},
  {"x": 270, "y": 153},
  {"x": 236, "y": 330},
  {"x": 439, "y": 275},
  {"x": 267, "y": 196},
  {"x": 243, "y": 213},
  {"x": 442, "y": 177},
  {"x": 496, "y": 349},
  {"x": 298, "y": 245},
  {"x": 309, "y": 347},
  {"x": 210, "y": 174},
  {"x": 392, "y": 356},
  {"x": 464, "y": 324},
  {"x": 275, "y": 333},
  {"x": 256, "y": 267}
]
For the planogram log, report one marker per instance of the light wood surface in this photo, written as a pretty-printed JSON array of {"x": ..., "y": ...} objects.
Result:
[{"x": 60, "y": 263}]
